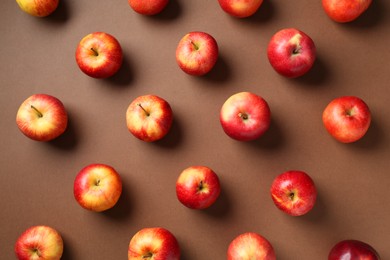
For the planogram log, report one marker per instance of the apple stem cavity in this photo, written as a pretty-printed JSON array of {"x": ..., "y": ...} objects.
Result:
[
  {"x": 243, "y": 116},
  {"x": 195, "y": 46},
  {"x": 94, "y": 52},
  {"x": 200, "y": 187},
  {"x": 297, "y": 50},
  {"x": 291, "y": 195},
  {"x": 148, "y": 255},
  {"x": 37, "y": 111},
  {"x": 146, "y": 112}
]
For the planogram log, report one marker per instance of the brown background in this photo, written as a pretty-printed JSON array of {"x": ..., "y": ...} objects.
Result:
[{"x": 37, "y": 56}]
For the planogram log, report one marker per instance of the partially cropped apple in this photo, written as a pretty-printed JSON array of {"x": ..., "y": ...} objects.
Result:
[
  {"x": 353, "y": 250},
  {"x": 240, "y": 8},
  {"x": 344, "y": 11},
  {"x": 39, "y": 8},
  {"x": 150, "y": 7},
  {"x": 250, "y": 246}
]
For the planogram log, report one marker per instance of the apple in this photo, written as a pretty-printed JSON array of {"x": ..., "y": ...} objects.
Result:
[
  {"x": 347, "y": 118},
  {"x": 198, "y": 187},
  {"x": 344, "y": 11},
  {"x": 245, "y": 116},
  {"x": 99, "y": 55},
  {"x": 39, "y": 242},
  {"x": 42, "y": 117},
  {"x": 97, "y": 187},
  {"x": 294, "y": 192},
  {"x": 240, "y": 8},
  {"x": 353, "y": 250},
  {"x": 150, "y": 7},
  {"x": 291, "y": 52},
  {"x": 149, "y": 118},
  {"x": 197, "y": 53},
  {"x": 154, "y": 243},
  {"x": 39, "y": 8},
  {"x": 250, "y": 245}
]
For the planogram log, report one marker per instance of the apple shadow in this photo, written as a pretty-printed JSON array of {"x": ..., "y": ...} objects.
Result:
[
  {"x": 374, "y": 15},
  {"x": 264, "y": 14},
  {"x": 171, "y": 12},
  {"x": 318, "y": 213},
  {"x": 374, "y": 137},
  {"x": 67, "y": 253},
  {"x": 221, "y": 71},
  {"x": 174, "y": 136},
  {"x": 221, "y": 207},
  {"x": 124, "y": 75},
  {"x": 60, "y": 15},
  {"x": 122, "y": 210},
  {"x": 317, "y": 76},
  {"x": 68, "y": 140}
]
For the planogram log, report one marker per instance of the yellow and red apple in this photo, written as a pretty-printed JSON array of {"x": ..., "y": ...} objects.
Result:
[
  {"x": 240, "y": 8},
  {"x": 344, "y": 11},
  {"x": 150, "y": 7},
  {"x": 250, "y": 245},
  {"x": 39, "y": 8}
]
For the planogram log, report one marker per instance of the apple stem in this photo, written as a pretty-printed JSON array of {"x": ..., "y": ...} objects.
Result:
[
  {"x": 146, "y": 112},
  {"x": 243, "y": 116},
  {"x": 94, "y": 52},
  {"x": 195, "y": 46},
  {"x": 297, "y": 50},
  {"x": 37, "y": 111},
  {"x": 291, "y": 195},
  {"x": 148, "y": 255}
]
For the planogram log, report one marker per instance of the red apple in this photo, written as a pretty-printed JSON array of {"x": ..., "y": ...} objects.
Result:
[
  {"x": 39, "y": 242},
  {"x": 99, "y": 55},
  {"x": 250, "y": 246},
  {"x": 149, "y": 118},
  {"x": 97, "y": 187},
  {"x": 198, "y": 187},
  {"x": 240, "y": 8},
  {"x": 343, "y": 11},
  {"x": 291, "y": 52},
  {"x": 150, "y": 7},
  {"x": 245, "y": 116},
  {"x": 353, "y": 250},
  {"x": 39, "y": 8},
  {"x": 153, "y": 243},
  {"x": 294, "y": 192},
  {"x": 42, "y": 117},
  {"x": 197, "y": 53},
  {"x": 347, "y": 118}
]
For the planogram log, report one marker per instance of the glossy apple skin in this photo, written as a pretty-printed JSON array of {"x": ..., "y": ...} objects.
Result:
[
  {"x": 42, "y": 117},
  {"x": 39, "y": 242},
  {"x": 344, "y": 11},
  {"x": 38, "y": 8},
  {"x": 347, "y": 118},
  {"x": 291, "y": 52},
  {"x": 197, "y": 53},
  {"x": 154, "y": 243},
  {"x": 150, "y": 7},
  {"x": 294, "y": 192},
  {"x": 250, "y": 246},
  {"x": 97, "y": 187},
  {"x": 99, "y": 55},
  {"x": 245, "y": 116},
  {"x": 198, "y": 187},
  {"x": 149, "y": 118},
  {"x": 240, "y": 8},
  {"x": 353, "y": 250}
]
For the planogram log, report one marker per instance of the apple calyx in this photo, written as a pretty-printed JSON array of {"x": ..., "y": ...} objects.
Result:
[
  {"x": 39, "y": 114},
  {"x": 244, "y": 116},
  {"x": 94, "y": 52},
  {"x": 146, "y": 112}
]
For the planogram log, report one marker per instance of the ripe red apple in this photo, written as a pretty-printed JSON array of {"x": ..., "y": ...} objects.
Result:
[
  {"x": 149, "y": 118},
  {"x": 198, "y": 187},
  {"x": 291, "y": 52},
  {"x": 353, "y": 250},
  {"x": 240, "y": 8},
  {"x": 39, "y": 242},
  {"x": 150, "y": 7},
  {"x": 294, "y": 192},
  {"x": 42, "y": 117},
  {"x": 347, "y": 118},
  {"x": 99, "y": 55},
  {"x": 39, "y": 8},
  {"x": 97, "y": 187},
  {"x": 245, "y": 116},
  {"x": 250, "y": 246},
  {"x": 154, "y": 243},
  {"x": 197, "y": 53},
  {"x": 343, "y": 11}
]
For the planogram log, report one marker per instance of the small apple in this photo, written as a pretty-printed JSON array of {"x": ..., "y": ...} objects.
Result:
[
  {"x": 353, "y": 250},
  {"x": 39, "y": 8},
  {"x": 245, "y": 116},
  {"x": 197, "y": 53},
  {"x": 294, "y": 193},
  {"x": 42, "y": 117},
  {"x": 250, "y": 245},
  {"x": 344, "y": 11},
  {"x": 149, "y": 118},
  {"x": 347, "y": 118},
  {"x": 99, "y": 55},
  {"x": 198, "y": 187},
  {"x": 150, "y": 7},
  {"x": 240, "y": 8},
  {"x": 39, "y": 242},
  {"x": 291, "y": 52},
  {"x": 97, "y": 187},
  {"x": 153, "y": 243}
]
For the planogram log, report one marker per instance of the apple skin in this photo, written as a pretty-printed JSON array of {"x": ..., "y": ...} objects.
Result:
[
  {"x": 149, "y": 118},
  {"x": 353, "y": 250},
  {"x": 38, "y": 8},
  {"x": 154, "y": 243},
  {"x": 97, "y": 187},
  {"x": 344, "y": 11},
  {"x": 150, "y": 7},
  {"x": 347, "y": 118},
  {"x": 294, "y": 192},
  {"x": 240, "y": 8},
  {"x": 291, "y": 52},
  {"x": 198, "y": 187},
  {"x": 197, "y": 53},
  {"x": 42, "y": 117},
  {"x": 39, "y": 242},
  {"x": 99, "y": 55},
  {"x": 250, "y": 245},
  {"x": 245, "y": 116}
]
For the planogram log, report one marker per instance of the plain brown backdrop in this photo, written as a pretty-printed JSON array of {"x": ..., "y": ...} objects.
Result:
[{"x": 37, "y": 56}]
